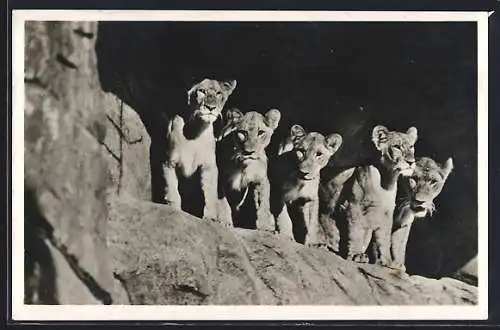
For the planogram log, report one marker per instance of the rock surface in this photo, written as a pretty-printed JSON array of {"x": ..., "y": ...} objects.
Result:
[
  {"x": 66, "y": 174},
  {"x": 468, "y": 273},
  {"x": 127, "y": 144},
  {"x": 167, "y": 257}
]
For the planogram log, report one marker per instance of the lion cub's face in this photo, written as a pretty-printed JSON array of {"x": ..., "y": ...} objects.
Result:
[
  {"x": 397, "y": 148},
  {"x": 207, "y": 98},
  {"x": 311, "y": 151},
  {"x": 426, "y": 184},
  {"x": 250, "y": 133}
]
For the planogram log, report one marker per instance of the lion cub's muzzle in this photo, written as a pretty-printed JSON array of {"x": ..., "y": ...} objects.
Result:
[
  {"x": 306, "y": 175},
  {"x": 247, "y": 155},
  {"x": 408, "y": 168},
  {"x": 208, "y": 111},
  {"x": 421, "y": 207}
]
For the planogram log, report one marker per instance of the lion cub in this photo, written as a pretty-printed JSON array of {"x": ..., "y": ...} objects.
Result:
[
  {"x": 417, "y": 195},
  {"x": 295, "y": 179},
  {"x": 191, "y": 144},
  {"x": 361, "y": 200},
  {"x": 243, "y": 164}
]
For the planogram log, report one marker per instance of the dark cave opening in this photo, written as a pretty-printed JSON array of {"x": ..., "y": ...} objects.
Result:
[{"x": 328, "y": 77}]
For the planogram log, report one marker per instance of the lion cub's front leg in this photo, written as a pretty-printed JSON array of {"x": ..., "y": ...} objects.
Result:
[
  {"x": 265, "y": 220},
  {"x": 382, "y": 245},
  {"x": 172, "y": 196},
  {"x": 358, "y": 235},
  {"x": 209, "y": 178},
  {"x": 310, "y": 215},
  {"x": 399, "y": 239}
]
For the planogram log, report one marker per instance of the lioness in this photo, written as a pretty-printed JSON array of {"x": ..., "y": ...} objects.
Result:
[
  {"x": 243, "y": 165},
  {"x": 191, "y": 144},
  {"x": 294, "y": 183},
  {"x": 417, "y": 195},
  {"x": 361, "y": 200}
]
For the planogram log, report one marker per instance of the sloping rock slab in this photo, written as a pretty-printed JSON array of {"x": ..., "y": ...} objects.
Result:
[{"x": 165, "y": 257}]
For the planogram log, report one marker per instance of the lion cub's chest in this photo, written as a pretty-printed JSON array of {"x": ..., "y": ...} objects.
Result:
[
  {"x": 369, "y": 200},
  {"x": 306, "y": 190},
  {"x": 188, "y": 155},
  {"x": 253, "y": 172}
]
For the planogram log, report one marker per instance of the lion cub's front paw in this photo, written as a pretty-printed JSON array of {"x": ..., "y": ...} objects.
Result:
[
  {"x": 223, "y": 223},
  {"x": 397, "y": 267},
  {"x": 359, "y": 257},
  {"x": 320, "y": 246},
  {"x": 386, "y": 262},
  {"x": 210, "y": 213},
  {"x": 283, "y": 236},
  {"x": 173, "y": 203}
]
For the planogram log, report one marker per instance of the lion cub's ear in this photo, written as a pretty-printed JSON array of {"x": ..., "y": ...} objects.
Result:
[
  {"x": 273, "y": 117},
  {"x": 297, "y": 131},
  {"x": 228, "y": 86},
  {"x": 412, "y": 132},
  {"x": 447, "y": 167},
  {"x": 334, "y": 141},
  {"x": 232, "y": 116},
  {"x": 379, "y": 136}
]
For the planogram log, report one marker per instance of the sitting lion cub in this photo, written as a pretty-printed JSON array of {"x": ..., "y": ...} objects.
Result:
[
  {"x": 362, "y": 199},
  {"x": 418, "y": 193},
  {"x": 191, "y": 144},
  {"x": 243, "y": 164},
  {"x": 295, "y": 179}
]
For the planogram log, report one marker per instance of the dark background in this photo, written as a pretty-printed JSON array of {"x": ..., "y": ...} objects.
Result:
[{"x": 329, "y": 77}]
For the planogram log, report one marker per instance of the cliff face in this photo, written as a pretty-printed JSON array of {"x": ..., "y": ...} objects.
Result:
[{"x": 93, "y": 237}]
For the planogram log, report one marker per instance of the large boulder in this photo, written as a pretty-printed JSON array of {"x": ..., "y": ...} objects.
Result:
[
  {"x": 66, "y": 175},
  {"x": 166, "y": 257}
]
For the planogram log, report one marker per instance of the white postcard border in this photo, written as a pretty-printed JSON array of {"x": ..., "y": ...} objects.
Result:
[{"x": 21, "y": 312}]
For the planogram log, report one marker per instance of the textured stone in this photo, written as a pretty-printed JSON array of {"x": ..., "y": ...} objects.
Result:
[
  {"x": 167, "y": 257},
  {"x": 66, "y": 174},
  {"x": 468, "y": 272},
  {"x": 127, "y": 144}
]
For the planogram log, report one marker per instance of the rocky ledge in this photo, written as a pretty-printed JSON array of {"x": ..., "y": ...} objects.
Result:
[{"x": 165, "y": 257}]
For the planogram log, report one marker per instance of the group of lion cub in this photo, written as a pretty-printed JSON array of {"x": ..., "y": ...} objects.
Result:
[{"x": 352, "y": 212}]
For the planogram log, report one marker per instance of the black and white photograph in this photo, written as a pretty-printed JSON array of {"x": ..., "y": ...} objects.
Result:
[{"x": 249, "y": 165}]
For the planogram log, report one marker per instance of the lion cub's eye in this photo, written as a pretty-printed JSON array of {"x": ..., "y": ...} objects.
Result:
[
  {"x": 300, "y": 154},
  {"x": 241, "y": 135},
  {"x": 219, "y": 93},
  {"x": 261, "y": 132},
  {"x": 433, "y": 181},
  {"x": 319, "y": 154},
  {"x": 413, "y": 183}
]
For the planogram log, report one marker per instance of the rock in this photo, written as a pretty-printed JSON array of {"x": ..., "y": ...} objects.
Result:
[
  {"x": 127, "y": 144},
  {"x": 66, "y": 174},
  {"x": 468, "y": 273},
  {"x": 167, "y": 257}
]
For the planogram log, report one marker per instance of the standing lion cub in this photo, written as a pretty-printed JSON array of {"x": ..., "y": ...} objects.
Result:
[
  {"x": 417, "y": 195},
  {"x": 243, "y": 166},
  {"x": 361, "y": 200},
  {"x": 295, "y": 179},
  {"x": 191, "y": 144}
]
